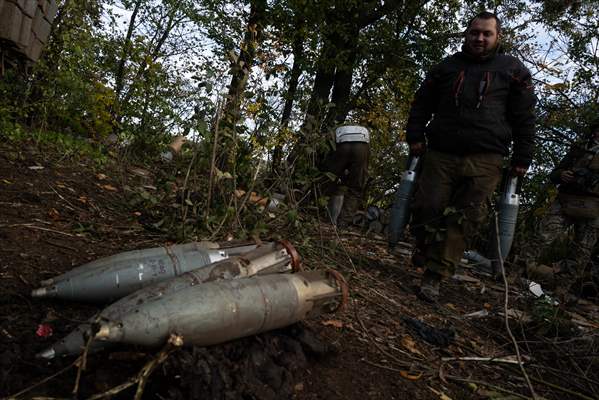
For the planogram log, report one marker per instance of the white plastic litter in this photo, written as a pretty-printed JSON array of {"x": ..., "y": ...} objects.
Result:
[{"x": 535, "y": 288}]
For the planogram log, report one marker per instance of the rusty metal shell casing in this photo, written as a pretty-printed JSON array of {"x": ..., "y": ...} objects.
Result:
[
  {"x": 266, "y": 258},
  {"x": 116, "y": 276},
  {"x": 216, "y": 312}
]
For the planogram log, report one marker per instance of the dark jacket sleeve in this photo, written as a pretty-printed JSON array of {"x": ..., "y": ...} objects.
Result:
[
  {"x": 422, "y": 108},
  {"x": 521, "y": 115}
]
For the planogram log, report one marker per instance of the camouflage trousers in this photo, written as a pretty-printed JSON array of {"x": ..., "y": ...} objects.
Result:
[
  {"x": 555, "y": 224},
  {"x": 449, "y": 205}
]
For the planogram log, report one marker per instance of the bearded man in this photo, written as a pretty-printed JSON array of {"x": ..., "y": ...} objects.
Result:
[{"x": 470, "y": 110}]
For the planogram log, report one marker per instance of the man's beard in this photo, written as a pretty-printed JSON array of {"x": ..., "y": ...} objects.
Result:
[{"x": 485, "y": 53}]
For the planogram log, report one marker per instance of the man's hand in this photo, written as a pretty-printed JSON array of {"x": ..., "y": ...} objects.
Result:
[
  {"x": 567, "y": 176},
  {"x": 518, "y": 170},
  {"x": 417, "y": 149}
]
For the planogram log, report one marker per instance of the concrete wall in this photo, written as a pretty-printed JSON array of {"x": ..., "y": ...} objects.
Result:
[{"x": 25, "y": 25}]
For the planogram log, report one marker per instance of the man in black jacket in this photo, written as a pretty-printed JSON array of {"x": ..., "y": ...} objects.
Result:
[
  {"x": 577, "y": 206},
  {"x": 468, "y": 111}
]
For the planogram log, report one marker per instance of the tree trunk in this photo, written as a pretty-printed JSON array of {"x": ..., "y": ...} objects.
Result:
[
  {"x": 343, "y": 81},
  {"x": 337, "y": 61},
  {"x": 321, "y": 90},
  {"x": 240, "y": 72},
  {"x": 141, "y": 73},
  {"x": 296, "y": 71},
  {"x": 119, "y": 76}
]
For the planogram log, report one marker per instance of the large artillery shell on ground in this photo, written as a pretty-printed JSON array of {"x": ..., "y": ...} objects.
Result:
[
  {"x": 225, "y": 249},
  {"x": 116, "y": 276},
  {"x": 266, "y": 258},
  {"x": 216, "y": 312}
]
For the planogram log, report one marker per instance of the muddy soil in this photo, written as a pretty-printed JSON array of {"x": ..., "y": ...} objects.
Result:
[{"x": 57, "y": 213}]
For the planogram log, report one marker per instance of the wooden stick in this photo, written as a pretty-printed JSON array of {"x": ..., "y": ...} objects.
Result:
[{"x": 505, "y": 360}]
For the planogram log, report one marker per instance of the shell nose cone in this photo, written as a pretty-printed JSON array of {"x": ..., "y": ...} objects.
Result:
[
  {"x": 48, "y": 354},
  {"x": 40, "y": 292}
]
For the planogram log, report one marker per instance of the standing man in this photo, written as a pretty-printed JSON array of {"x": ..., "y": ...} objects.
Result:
[
  {"x": 349, "y": 163},
  {"x": 467, "y": 112},
  {"x": 577, "y": 206}
]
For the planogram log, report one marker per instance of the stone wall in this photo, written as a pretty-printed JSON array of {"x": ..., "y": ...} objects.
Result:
[{"x": 25, "y": 25}]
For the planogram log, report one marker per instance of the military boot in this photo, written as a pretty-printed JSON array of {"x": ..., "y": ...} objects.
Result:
[{"x": 429, "y": 286}]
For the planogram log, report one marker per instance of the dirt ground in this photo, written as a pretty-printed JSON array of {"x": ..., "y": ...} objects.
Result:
[{"x": 56, "y": 213}]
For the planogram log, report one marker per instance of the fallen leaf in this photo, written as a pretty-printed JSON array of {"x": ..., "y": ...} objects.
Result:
[
  {"x": 101, "y": 176},
  {"x": 410, "y": 376},
  {"x": 36, "y": 167},
  {"x": 54, "y": 214},
  {"x": 109, "y": 188},
  {"x": 83, "y": 199},
  {"x": 137, "y": 214},
  {"x": 333, "y": 322},
  {"x": 7, "y": 181},
  {"x": 409, "y": 344}
]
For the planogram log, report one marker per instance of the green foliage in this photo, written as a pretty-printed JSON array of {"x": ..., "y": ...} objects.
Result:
[
  {"x": 551, "y": 321},
  {"x": 13, "y": 107},
  {"x": 68, "y": 146},
  {"x": 11, "y": 131}
]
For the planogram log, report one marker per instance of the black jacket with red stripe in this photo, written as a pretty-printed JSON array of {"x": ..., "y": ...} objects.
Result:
[{"x": 476, "y": 106}]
